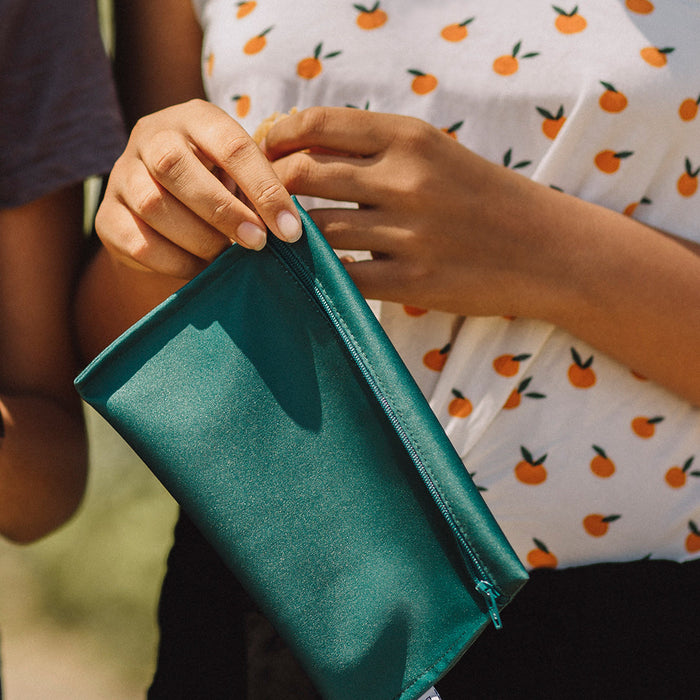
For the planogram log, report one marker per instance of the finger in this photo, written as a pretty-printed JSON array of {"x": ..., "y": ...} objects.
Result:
[
  {"x": 151, "y": 203},
  {"x": 172, "y": 163},
  {"x": 341, "y": 130},
  {"x": 356, "y": 229},
  {"x": 376, "y": 279},
  {"x": 337, "y": 178},
  {"x": 229, "y": 146},
  {"x": 139, "y": 246}
]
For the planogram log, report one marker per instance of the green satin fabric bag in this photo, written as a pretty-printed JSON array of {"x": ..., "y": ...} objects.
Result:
[{"x": 267, "y": 399}]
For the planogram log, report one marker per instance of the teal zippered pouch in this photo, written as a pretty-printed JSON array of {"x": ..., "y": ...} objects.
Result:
[{"x": 267, "y": 399}]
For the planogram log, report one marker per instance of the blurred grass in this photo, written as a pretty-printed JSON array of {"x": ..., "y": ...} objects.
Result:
[{"x": 95, "y": 583}]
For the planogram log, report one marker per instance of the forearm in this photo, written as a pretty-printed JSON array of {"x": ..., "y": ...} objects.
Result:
[
  {"x": 627, "y": 289},
  {"x": 43, "y": 464},
  {"x": 43, "y": 451},
  {"x": 157, "y": 55},
  {"x": 451, "y": 231},
  {"x": 111, "y": 297}
]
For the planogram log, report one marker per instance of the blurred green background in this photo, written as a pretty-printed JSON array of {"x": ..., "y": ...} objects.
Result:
[{"x": 78, "y": 608}]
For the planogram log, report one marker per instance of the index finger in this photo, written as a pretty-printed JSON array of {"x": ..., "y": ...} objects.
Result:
[
  {"x": 343, "y": 130},
  {"x": 208, "y": 136}
]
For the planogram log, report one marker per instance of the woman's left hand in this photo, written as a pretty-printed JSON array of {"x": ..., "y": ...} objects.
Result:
[{"x": 444, "y": 225}]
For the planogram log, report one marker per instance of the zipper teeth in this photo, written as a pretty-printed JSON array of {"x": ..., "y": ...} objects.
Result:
[{"x": 478, "y": 573}]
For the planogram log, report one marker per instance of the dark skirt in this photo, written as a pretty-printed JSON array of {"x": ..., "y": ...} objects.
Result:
[{"x": 605, "y": 631}]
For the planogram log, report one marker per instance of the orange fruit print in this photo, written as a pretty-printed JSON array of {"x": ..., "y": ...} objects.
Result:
[
  {"x": 552, "y": 122},
  {"x": 414, "y": 310},
  {"x": 452, "y": 130},
  {"x": 689, "y": 109},
  {"x": 435, "y": 359},
  {"x": 692, "y": 541},
  {"x": 422, "y": 83},
  {"x": 308, "y": 68},
  {"x": 597, "y": 525},
  {"x": 601, "y": 465},
  {"x": 608, "y": 161},
  {"x": 245, "y": 8},
  {"x": 460, "y": 406},
  {"x": 656, "y": 57},
  {"x": 580, "y": 373},
  {"x": 645, "y": 427},
  {"x": 457, "y": 31},
  {"x": 509, "y": 365},
  {"x": 569, "y": 22},
  {"x": 529, "y": 470},
  {"x": 540, "y": 557},
  {"x": 631, "y": 208},
  {"x": 612, "y": 100},
  {"x": 210, "y": 65},
  {"x": 257, "y": 43},
  {"x": 508, "y": 63},
  {"x": 242, "y": 105},
  {"x": 642, "y": 7},
  {"x": 677, "y": 477},
  {"x": 515, "y": 398},
  {"x": 370, "y": 17},
  {"x": 687, "y": 184}
]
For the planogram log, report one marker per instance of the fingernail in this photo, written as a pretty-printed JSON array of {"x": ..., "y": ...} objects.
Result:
[
  {"x": 252, "y": 235},
  {"x": 289, "y": 226}
]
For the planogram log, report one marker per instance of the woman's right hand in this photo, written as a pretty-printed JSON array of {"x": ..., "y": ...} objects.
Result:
[{"x": 171, "y": 203}]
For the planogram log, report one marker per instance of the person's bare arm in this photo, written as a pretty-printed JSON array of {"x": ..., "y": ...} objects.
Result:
[
  {"x": 43, "y": 451},
  {"x": 157, "y": 55}
]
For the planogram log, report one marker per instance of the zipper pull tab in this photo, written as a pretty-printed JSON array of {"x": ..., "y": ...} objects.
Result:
[{"x": 487, "y": 590}]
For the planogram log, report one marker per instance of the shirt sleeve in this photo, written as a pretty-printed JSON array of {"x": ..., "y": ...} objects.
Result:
[{"x": 59, "y": 118}]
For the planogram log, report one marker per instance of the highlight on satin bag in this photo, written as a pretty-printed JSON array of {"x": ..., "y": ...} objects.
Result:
[{"x": 267, "y": 399}]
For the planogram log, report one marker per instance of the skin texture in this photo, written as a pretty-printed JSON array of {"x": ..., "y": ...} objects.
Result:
[
  {"x": 43, "y": 454},
  {"x": 447, "y": 229}
]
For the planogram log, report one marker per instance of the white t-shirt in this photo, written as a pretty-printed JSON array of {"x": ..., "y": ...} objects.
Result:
[{"x": 579, "y": 459}]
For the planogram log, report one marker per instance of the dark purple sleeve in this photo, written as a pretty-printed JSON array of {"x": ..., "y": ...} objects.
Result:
[{"x": 59, "y": 117}]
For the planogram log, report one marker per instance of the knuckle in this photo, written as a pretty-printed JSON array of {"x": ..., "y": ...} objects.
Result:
[
  {"x": 269, "y": 192},
  {"x": 297, "y": 172},
  {"x": 149, "y": 203},
  {"x": 101, "y": 221},
  {"x": 197, "y": 103},
  {"x": 417, "y": 135},
  {"x": 412, "y": 182},
  {"x": 138, "y": 250},
  {"x": 237, "y": 149},
  {"x": 222, "y": 213},
  {"x": 141, "y": 126},
  {"x": 418, "y": 274},
  {"x": 167, "y": 157},
  {"x": 314, "y": 121}
]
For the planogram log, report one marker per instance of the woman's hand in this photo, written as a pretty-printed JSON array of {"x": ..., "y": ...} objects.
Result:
[
  {"x": 448, "y": 230},
  {"x": 444, "y": 225},
  {"x": 171, "y": 206}
]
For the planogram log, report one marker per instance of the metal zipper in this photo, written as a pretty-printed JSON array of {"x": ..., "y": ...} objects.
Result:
[{"x": 482, "y": 580}]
